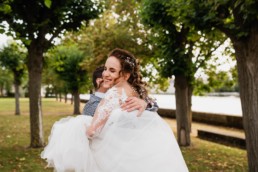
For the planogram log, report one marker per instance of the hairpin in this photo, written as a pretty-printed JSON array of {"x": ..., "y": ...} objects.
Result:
[{"x": 131, "y": 63}]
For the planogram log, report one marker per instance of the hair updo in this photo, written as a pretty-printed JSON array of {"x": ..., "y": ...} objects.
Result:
[{"x": 129, "y": 64}]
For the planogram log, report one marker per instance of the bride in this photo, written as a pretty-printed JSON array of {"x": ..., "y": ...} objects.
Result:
[{"x": 115, "y": 140}]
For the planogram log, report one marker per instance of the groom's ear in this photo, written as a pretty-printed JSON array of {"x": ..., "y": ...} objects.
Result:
[{"x": 98, "y": 81}]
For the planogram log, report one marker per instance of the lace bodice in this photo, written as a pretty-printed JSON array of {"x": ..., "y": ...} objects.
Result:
[{"x": 112, "y": 100}]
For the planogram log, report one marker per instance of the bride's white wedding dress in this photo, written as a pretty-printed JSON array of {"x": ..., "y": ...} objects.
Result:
[{"x": 123, "y": 142}]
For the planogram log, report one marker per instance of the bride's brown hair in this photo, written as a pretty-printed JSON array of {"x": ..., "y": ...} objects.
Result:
[{"x": 129, "y": 64}]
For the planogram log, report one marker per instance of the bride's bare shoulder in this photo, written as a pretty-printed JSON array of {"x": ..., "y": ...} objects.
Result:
[
  {"x": 120, "y": 86},
  {"x": 127, "y": 88}
]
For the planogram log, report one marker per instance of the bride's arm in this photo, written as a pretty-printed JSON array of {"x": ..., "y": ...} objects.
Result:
[{"x": 103, "y": 111}]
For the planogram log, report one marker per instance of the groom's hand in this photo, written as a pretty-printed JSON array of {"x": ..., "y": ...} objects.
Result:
[{"x": 134, "y": 103}]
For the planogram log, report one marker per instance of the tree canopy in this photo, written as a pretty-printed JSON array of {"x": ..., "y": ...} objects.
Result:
[
  {"x": 67, "y": 63},
  {"x": 13, "y": 57},
  {"x": 181, "y": 50},
  {"x": 238, "y": 21},
  {"x": 45, "y": 20},
  {"x": 66, "y": 60},
  {"x": 120, "y": 26},
  {"x": 37, "y": 23}
]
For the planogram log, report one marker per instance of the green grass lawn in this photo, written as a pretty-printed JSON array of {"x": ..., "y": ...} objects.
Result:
[{"x": 15, "y": 156}]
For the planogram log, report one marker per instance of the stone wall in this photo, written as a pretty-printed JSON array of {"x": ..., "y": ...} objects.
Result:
[{"x": 208, "y": 118}]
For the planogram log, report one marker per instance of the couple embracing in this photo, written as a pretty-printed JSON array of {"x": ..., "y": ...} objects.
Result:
[{"x": 121, "y": 136}]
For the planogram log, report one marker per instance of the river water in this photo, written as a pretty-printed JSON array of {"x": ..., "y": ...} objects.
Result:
[{"x": 228, "y": 105}]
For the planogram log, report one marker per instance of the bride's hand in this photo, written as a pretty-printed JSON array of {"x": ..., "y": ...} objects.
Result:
[
  {"x": 90, "y": 133},
  {"x": 134, "y": 103}
]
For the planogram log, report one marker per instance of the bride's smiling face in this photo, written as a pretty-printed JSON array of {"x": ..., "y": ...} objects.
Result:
[{"x": 111, "y": 74}]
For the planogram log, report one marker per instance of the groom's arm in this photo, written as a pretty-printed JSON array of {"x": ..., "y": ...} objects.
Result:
[
  {"x": 152, "y": 105},
  {"x": 91, "y": 106}
]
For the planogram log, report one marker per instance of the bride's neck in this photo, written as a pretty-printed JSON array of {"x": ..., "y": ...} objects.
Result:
[{"x": 121, "y": 83}]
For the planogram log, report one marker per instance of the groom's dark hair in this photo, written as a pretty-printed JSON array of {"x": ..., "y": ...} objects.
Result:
[{"x": 97, "y": 74}]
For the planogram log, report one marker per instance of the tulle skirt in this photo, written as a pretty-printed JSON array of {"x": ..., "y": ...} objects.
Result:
[{"x": 126, "y": 144}]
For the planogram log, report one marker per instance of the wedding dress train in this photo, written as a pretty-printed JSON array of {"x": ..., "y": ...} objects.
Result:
[{"x": 126, "y": 143}]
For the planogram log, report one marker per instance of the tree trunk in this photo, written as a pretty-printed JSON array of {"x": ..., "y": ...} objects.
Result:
[
  {"x": 183, "y": 107},
  {"x": 65, "y": 97},
  {"x": 56, "y": 95},
  {"x": 247, "y": 64},
  {"x": 1, "y": 91},
  {"x": 17, "y": 96},
  {"x": 72, "y": 99},
  {"x": 76, "y": 105},
  {"x": 35, "y": 62},
  {"x": 60, "y": 97},
  {"x": 190, "y": 93}
]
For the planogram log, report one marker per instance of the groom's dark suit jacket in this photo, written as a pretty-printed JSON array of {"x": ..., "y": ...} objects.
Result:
[{"x": 91, "y": 105}]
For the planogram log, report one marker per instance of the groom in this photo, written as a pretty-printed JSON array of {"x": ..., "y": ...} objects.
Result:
[{"x": 131, "y": 104}]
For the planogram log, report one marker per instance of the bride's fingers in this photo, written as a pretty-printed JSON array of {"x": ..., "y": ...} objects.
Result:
[
  {"x": 130, "y": 99},
  {"x": 127, "y": 102},
  {"x": 132, "y": 108},
  {"x": 139, "y": 113},
  {"x": 131, "y": 105},
  {"x": 128, "y": 105}
]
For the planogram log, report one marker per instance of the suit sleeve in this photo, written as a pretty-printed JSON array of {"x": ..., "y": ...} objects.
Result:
[
  {"x": 91, "y": 106},
  {"x": 151, "y": 105}
]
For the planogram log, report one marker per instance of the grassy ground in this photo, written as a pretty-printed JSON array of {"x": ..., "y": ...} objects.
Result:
[{"x": 15, "y": 156}]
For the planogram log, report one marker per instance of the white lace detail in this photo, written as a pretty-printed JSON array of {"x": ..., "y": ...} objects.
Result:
[
  {"x": 111, "y": 101},
  {"x": 123, "y": 96}
]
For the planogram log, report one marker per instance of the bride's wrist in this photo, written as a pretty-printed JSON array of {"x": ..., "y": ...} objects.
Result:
[{"x": 90, "y": 133}]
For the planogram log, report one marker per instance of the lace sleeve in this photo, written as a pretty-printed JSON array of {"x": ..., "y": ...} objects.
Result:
[{"x": 103, "y": 111}]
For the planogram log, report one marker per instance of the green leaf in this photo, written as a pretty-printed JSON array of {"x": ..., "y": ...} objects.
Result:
[
  {"x": 2, "y": 30},
  {"x": 48, "y": 3},
  {"x": 5, "y": 8}
]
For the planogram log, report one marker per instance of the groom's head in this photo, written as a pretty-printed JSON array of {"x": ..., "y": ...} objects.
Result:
[{"x": 97, "y": 77}]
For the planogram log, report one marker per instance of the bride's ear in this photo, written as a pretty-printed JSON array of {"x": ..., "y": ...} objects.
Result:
[{"x": 127, "y": 76}]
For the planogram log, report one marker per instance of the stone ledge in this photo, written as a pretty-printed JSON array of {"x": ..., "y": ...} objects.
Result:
[
  {"x": 222, "y": 138},
  {"x": 208, "y": 118}
]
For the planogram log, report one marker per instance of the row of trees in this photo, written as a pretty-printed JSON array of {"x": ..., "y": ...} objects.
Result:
[
  {"x": 12, "y": 58},
  {"x": 177, "y": 37},
  {"x": 63, "y": 71},
  {"x": 178, "y": 23},
  {"x": 178, "y": 44},
  {"x": 65, "y": 67},
  {"x": 37, "y": 23},
  {"x": 5, "y": 82}
]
